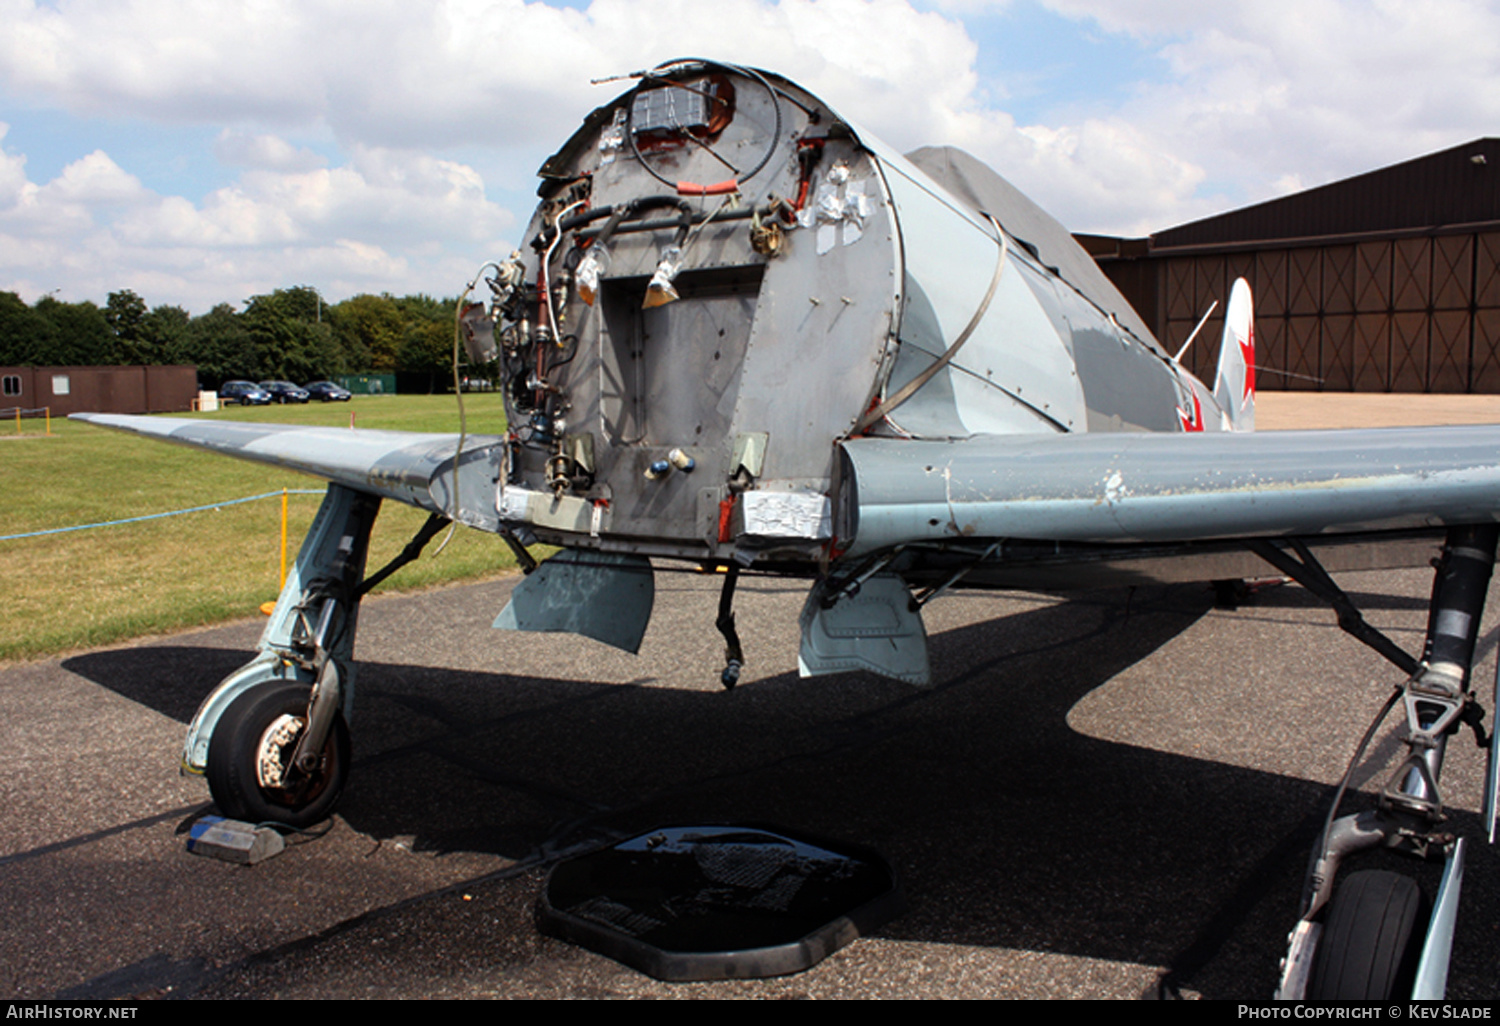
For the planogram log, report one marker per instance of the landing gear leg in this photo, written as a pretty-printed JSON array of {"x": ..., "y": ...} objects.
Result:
[
  {"x": 1362, "y": 941},
  {"x": 273, "y": 738}
]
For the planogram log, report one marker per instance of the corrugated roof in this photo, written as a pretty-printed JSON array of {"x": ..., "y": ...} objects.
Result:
[{"x": 1450, "y": 187}]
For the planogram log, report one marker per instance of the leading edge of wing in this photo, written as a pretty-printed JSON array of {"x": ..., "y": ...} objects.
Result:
[
  {"x": 1140, "y": 487},
  {"x": 411, "y": 467}
]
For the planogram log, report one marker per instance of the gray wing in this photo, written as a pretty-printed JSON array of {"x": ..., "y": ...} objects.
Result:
[
  {"x": 409, "y": 467},
  {"x": 1154, "y": 488}
]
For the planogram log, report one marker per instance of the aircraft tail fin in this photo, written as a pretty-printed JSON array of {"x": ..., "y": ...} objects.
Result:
[{"x": 1234, "y": 384}]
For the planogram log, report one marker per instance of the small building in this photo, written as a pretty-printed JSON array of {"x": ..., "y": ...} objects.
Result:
[
  {"x": 67, "y": 390},
  {"x": 1385, "y": 282}
]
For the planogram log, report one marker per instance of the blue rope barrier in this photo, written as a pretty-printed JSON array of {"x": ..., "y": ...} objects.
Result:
[{"x": 158, "y": 516}]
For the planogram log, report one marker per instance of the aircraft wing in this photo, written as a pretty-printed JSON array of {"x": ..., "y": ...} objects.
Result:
[
  {"x": 1151, "y": 488},
  {"x": 1114, "y": 488},
  {"x": 411, "y": 467}
]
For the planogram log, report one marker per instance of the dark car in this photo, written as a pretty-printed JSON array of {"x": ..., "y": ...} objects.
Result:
[
  {"x": 285, "y": 391},
  {"x": 245, "y": 393},
  {"x": 327, "y": 392}
]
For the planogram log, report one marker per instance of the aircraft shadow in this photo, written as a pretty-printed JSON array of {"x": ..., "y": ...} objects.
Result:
[{"x": 1009, "y": 827}]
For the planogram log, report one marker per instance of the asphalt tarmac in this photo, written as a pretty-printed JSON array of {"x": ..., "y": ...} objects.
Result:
[{"x": 1108, "y": 795}]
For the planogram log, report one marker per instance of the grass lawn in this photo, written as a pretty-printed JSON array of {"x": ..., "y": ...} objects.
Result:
[{"x": 102, "y": 585}]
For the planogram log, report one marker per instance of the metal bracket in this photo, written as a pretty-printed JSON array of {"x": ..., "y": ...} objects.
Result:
[
  {"x": 927, "y": 595},
  {"x": 324, "y": 700},
  {"x": 1413, "y": 787},
  {"x": 1296, "y": 966},
  {"x": 830, "y": 591},
  {"x": 1309, "y": 573}
]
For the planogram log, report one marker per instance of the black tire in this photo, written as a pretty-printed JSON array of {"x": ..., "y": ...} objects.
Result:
[
  {"x": 249, "y": 727},
  {"x": 1372, "y": 939}
]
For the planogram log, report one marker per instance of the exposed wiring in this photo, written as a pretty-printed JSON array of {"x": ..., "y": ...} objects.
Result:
[
  {"x": 1338, "y": 797},
  {"x": 730, "y": 201},
  {"x": 660, "y": 74},
  {"x": 547, "y": 262},
  {"x": 458, "y": 393}
]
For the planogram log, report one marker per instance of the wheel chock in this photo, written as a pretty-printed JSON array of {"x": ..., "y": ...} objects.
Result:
[{"x": 232, "y": 840}]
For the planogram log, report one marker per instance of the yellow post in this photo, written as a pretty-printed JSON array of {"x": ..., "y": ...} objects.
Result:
[
  {"x": 270, "y": 607},
  {"x": 18, "y": 420},
  {"x": 49, "y": 422}
]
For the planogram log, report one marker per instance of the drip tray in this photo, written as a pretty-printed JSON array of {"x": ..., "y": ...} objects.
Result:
[{"x": 719, "y": 902}]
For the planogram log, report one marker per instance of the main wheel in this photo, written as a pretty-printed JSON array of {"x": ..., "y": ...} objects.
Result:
[
  {"x": 250, "y": 771},
  {"x": 1372, "y": 939}
]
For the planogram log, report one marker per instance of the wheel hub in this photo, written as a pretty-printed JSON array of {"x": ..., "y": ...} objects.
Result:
[{"x": 274, "y": 754}]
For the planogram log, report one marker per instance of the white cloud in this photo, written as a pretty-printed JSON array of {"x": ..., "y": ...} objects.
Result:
[
  {"x": 267, "y": 152},
  {"x": 13, "y": 180},
  {"x": 383, "y": 222},
  {"x": 432, "y": 75},
  {"x": 1272, "y": 91},
  {"x": 93, "y": 181},
  {"x": 87, "y": 189},
  {"x": 396, "y": 85},
  {"x": 430, "y": 109}
]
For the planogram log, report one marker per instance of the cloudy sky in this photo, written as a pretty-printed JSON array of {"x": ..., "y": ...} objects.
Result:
[{"x": 200, "y": 152}]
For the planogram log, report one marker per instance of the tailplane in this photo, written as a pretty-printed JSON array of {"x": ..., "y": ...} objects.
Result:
[{"x": 1234, "y": 384}]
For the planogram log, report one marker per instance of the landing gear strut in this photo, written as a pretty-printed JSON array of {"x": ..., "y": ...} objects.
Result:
[
  {"x": 273, "y": 737},
  {"x": 1372, "y": 937}
]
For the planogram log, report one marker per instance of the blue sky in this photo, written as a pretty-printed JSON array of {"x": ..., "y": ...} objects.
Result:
[{"x": 199, "y": 152}]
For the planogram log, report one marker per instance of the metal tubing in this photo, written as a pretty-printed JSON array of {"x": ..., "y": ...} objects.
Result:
[
  {"x": 1311, "y": 575},
  {"x": 1438, "y": 695},
  {"x": 1368, "y": 829},
  {"x": 1432, "y": 971},
  {"x": 1492, "y": 771},
  {"x": 1458, "y": 593}
]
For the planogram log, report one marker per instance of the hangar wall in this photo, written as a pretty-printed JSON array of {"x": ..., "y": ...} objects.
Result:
[{"x": 1388, "y": 282}]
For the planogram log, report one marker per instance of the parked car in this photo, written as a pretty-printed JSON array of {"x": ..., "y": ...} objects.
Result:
[
  {"x": 327, "y": 392},
  {"x": 285, "y": 391},
  {"x": 246, "y": 393}
]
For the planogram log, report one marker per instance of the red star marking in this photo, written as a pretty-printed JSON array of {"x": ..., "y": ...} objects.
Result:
[
  {"x": 1192, "y": 421},
  {"x": 1247, "y": 350}
]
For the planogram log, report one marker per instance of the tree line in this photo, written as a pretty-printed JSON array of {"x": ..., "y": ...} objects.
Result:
[{"x": 290, "y": 334}]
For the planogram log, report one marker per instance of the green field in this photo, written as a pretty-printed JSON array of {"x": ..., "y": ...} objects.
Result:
[{"x": 98, "y": 586}]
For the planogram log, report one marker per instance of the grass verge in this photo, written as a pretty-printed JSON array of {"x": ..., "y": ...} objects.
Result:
[{"x": 103, "y": 585}]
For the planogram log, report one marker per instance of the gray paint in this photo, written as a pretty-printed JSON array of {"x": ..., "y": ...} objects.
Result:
[
  {"x": 413, "y": 468},
  {"x": 1147, "y": 487}
]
